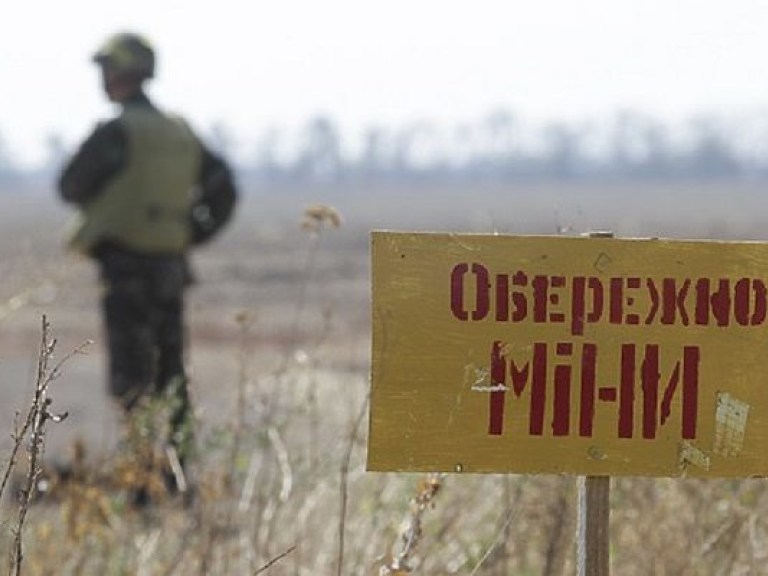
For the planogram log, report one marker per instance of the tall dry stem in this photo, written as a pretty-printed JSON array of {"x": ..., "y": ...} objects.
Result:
[
  {"x": 274, "y": 561},
  {"x": 344, "y": 483},
  {"x": 563, "y": 533},
  {"x": 316, "y": 218},
  {"x": 400, "y": 563},
  {"x": 33, "y": 432},
  {"x": 498, "y": 553},
  {"x": 245, "y": 322}
]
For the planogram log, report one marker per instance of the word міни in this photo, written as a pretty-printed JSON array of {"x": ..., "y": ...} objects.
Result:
[{"x": 549, "y": 374}]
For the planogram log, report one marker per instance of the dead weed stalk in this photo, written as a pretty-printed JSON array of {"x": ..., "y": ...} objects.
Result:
[
  {"x": 399, "y": 564},
  {"x": 354, "y": 435},
  {"x": 274, "y": 560},
  {"x": 32, "y": 432},
  {"x": 317, "y": 218}
]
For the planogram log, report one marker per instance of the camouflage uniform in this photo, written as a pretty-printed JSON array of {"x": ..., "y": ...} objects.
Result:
[{"x": 147, "y": 189}]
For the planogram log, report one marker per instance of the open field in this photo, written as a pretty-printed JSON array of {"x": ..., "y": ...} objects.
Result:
[{"x": 279, "y": 326}]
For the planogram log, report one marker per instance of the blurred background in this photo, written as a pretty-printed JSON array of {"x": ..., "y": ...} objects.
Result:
[
  {"x": 405, "y": 93},
  {"x": 548, "y": 117}
]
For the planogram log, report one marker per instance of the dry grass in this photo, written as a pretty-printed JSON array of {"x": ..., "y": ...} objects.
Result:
[
  {"x": 279, "y": 481},
  {"x": 32, "y": 432}
]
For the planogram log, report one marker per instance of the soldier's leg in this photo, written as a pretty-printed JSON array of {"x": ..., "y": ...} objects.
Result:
[
  {"x": 126, "y": 309},
  {"x": 169, "y": 317},
  {"x": 130, "y": 344},
  {"x": 171, "y": 378}
]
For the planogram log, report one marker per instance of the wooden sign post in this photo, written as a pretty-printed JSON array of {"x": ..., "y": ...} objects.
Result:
[
  {"x": 588, "y": 356},
  {"x": 593, "y": 538}
]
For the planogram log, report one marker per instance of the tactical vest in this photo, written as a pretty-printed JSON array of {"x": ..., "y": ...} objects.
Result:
[{"x": 146, "y": 207}]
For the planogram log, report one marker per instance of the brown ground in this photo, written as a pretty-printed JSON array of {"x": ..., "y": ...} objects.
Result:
[
  {"x": 301, "y": 292},
  {"x": 306, "y": 301}
]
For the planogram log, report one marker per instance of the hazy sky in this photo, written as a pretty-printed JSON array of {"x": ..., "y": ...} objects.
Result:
[{"x": 256, "y": 64}]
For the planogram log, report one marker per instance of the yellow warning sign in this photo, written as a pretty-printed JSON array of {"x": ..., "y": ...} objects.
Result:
[{"x": 592, "y": 356}]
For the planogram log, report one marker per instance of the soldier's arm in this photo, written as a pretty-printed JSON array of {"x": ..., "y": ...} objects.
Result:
[
  {"x": 100, "y": 157},
  {"x": 217, "y": 197}
]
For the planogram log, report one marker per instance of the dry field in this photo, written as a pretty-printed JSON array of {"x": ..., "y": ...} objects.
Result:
[{"x": 280, "y": 335}]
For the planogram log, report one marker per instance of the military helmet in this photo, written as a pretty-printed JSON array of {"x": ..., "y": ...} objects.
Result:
[{"x": 127, "y": 53}]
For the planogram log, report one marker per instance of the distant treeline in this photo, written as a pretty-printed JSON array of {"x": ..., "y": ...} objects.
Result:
[{"x": 499, "y": 146}]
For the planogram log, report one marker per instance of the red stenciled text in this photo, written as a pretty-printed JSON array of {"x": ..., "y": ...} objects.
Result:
[
  {"x": 552, "y": 377},
  {"x": 478, "y": 295}
]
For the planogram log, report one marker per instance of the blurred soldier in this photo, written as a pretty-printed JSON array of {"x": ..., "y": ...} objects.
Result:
[{"x": 146, "y": 190}]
